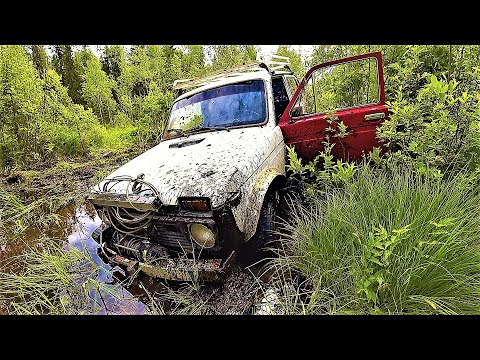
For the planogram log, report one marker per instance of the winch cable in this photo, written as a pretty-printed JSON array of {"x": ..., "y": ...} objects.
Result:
[
  {"x": 102, "y": 246},
  {"x": 113, "y": 213},
  {"x": 139, "y": 181},
  {"x": 126, "y": 229},
  {"x": 129, "y": 221}
]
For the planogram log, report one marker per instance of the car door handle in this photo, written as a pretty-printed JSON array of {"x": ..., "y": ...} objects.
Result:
[{"x": 375, "y": 116}]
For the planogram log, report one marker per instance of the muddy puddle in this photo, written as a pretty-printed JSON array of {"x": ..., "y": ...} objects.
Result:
[
  {"x": 75, "y": 227},
  {"x": 131, "y": 296}
]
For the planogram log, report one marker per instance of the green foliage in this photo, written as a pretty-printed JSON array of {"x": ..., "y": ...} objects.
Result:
[
  {"x": 322, "y": 172},
  {"x": 39, "y": 59},
  {"x": 387, "y": 242},
  {"x": 72, "y": 130},
  {"x": 376, "y": 259},
  {"x": 324, "y": 53},
  {"x": 155, "y": 111},
  {"x": 226, "y": 56},
  {"x": 405, "y": 65},
  {"x": 20, "y": 105},
  {"x": 115, "y": 138},
  {"x": 16, "y": 216},
  {"x": 437, "y": 131},
  {"x": 97, "y": 91},
  {"x": 294, "y": 163},
  {"x": 346, "y": 85},
  {"x": 113, "y": 61},
  {"x": 64, "y": 64},
  {"x": 296, "y": 61},
  {"x": 40, "y": 121},
  {"x": 193, "y": 62}
]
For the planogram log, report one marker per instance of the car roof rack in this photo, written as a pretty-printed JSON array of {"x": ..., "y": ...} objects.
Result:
[
  {"x": 274, "y": 61},
  {"x": 271, "y": 63}
]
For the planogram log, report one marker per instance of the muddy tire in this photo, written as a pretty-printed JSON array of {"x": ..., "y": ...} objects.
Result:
[{"x": 256, "y": 248}]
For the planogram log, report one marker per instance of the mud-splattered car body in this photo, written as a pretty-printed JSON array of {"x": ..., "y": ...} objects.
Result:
[
  {"x": 230, "y": 170},
  {"x": 183, "y": 209}
]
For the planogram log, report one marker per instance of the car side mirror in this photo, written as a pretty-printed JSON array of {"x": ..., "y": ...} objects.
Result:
[{"x": 297, "y": 111}]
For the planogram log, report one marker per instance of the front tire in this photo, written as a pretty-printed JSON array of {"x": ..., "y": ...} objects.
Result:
[{"x": 256, "y": 249}]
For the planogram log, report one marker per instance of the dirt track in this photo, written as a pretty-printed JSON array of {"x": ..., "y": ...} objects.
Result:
[{"x": 70, "y": 180}]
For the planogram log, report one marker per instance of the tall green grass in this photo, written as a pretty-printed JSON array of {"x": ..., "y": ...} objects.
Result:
[
  {"x": 389, "y": 242},
  {"x": 16, "y": 216},
  {"x": 51, "y": 280}
]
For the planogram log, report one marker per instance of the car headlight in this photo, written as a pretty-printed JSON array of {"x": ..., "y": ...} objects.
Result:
[{"x": 202, "y": 235}]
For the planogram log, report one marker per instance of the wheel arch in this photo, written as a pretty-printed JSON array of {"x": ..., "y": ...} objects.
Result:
[{"x": 255, "y": 202}]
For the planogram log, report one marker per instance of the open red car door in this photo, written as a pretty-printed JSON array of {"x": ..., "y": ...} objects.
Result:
[{"x": 340, "y": 102}]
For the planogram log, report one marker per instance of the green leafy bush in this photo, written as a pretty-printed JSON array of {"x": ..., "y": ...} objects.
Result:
[
  {"x": 115, "y": 138},
  {"x": 319, "y": 174},
  {"x": 439, "y": 130},
  {"x": 155, "y": 112}
]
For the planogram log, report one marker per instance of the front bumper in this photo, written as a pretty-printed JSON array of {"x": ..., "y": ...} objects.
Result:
[
  {"x": 170, "y": 247},
  {"x": 180, "y": 269}
]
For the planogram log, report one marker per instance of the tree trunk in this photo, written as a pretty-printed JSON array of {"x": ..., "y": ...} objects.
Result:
[
  {"x": 99, "y": 101},
  {"x": 109, "y": 115},
  {"x": 449, "y": 63}
]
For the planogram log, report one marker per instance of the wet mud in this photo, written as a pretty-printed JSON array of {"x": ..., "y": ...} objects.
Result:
[{"x": 235, "y": 295}]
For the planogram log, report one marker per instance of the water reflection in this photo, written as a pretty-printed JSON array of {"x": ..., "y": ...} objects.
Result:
[
  {"x": 111, "y": 298},
  {"x": 76, "y": 227}
]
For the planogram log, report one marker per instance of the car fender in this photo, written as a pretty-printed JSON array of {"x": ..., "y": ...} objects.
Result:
[{"x": 253, "y": 192}]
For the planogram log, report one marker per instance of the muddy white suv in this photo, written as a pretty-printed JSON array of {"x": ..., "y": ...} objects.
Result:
[
  {"x": 184, "y": 208},
  {"x": 187, "y": 207}
]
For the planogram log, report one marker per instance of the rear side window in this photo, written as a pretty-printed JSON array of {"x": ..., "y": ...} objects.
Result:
[{"x": 280, "y": 97}]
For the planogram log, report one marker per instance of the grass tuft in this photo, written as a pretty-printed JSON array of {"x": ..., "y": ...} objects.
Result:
[
  {"x": 51, "y": 280},
  {"x": 389, "y": 242},
  {"x": 16, "y": 217}
]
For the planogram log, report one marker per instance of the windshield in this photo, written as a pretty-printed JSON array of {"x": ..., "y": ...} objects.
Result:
[{"x": 225, "y": 106}]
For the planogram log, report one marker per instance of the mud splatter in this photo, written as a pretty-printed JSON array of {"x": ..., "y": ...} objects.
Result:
[{"x": 234, "y": 297}]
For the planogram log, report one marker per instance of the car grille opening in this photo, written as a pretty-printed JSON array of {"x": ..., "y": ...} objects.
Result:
[
  {"x": 170, "y": 236},
  {"x": 161, "y": 228}
]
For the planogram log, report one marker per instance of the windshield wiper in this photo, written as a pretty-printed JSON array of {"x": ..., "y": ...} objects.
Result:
[
  {"x": 209, "y": 128},
  {"x": 178, "y": 131},
  {"x": 195, "y": 130}
]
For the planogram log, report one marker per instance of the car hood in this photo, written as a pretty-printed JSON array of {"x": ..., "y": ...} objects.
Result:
[{"x": 211, "y": 164}]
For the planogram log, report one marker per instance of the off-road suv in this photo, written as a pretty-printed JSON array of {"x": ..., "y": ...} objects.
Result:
[{"x": 184, "y": 209}]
